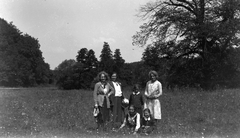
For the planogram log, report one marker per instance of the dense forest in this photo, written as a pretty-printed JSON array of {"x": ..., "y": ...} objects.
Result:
[
  {"x": 189, "y": 43},
  {"x": 21, "y": 61}
]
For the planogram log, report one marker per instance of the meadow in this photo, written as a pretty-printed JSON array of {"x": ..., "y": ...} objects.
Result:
[{"x": 54, "y": 113}]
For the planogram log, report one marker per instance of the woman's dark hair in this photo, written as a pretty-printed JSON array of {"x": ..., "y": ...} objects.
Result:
[
  {"x": 147, "y": 109},
  {"x": 136, "y": 86}
]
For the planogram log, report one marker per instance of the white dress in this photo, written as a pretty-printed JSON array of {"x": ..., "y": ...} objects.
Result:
[{"x": 154, "y": 90}]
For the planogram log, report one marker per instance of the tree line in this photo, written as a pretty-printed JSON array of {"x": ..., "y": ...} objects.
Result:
[
  {"x": 80, "y": 73},
  {"x": 21, "y": 60},
  {"x": 189, "y": 43}
]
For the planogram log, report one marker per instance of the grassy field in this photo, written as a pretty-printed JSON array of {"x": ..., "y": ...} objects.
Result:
[{"x": 53, "y": 113}]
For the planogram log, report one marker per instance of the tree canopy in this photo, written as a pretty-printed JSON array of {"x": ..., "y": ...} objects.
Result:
[
  {"x": 196, "y": 26},
  {"x": 197, "y": 36},
  {"x": 106, "y": 59},
  {"x": 22, "y": 63},
  {"x": 82, "y": 72},
  {"x": 118, "y": 61}
]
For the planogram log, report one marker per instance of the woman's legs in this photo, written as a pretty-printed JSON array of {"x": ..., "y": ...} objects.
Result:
[
  {"x": 105, "y": 112},
  {"x": 117, "y": 111},
  {"x": 103, "y": 116}
]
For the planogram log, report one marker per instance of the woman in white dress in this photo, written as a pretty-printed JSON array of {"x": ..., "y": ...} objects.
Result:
[{"x": 152, "y": 93}]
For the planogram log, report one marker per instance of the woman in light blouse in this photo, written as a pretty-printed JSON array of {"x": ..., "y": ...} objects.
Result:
[
  {"x": 117, "y": 97},
  {"x": 101, "y": 93},
  {"x": 152, "y": 93}
]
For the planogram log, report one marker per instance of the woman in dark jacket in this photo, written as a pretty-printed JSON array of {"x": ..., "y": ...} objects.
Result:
[{"x": 101, "y": 93}]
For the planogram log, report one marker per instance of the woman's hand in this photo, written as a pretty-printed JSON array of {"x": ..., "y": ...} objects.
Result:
[{"x": 147, "y": 95}]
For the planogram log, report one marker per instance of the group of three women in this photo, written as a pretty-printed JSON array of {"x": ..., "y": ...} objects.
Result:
[{"x": 108, "y": 97}]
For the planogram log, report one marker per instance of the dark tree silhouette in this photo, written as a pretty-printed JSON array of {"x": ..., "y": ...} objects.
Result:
[
  {"x": 82, "y": 55},
  {"x": 118, "y": 61},
  {"x": 22, "y": 63},
  {"x": 106, "y": 59},
  {"x": 196, "y": 36}
]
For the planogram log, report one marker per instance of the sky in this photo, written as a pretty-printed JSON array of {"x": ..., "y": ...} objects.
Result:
[{"x": 63, "y": 27}]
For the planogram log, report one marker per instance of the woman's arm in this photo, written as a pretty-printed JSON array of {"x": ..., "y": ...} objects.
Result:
[
  {"x": 159, "y": 89},
  {"x": 124, "y": 123},
  {"x": 111, "y": 89},
  {"x": 146, "y": 90},
  {"x": 123, "y": 94}
]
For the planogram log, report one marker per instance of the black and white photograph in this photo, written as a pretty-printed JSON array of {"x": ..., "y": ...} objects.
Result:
[{"x": 119, "y": 68}]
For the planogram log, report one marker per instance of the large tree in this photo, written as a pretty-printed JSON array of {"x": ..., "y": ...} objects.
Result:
[
  {"x": 118, "y": 61},
  {"x": 65, "y": 74},
  {"x": 199, "y": 31},
  {"x": 106, "y": 59},
  {"x": 65, "y": 65},
  {"x": 89, "y": 68},
  {"x": 82, "y": 55},
  {"x": 197, "y": 26},
  {"x": 77, "y": 74},
  {"x": 22, "y": 63},
  {"x": 92, "y": 61}
]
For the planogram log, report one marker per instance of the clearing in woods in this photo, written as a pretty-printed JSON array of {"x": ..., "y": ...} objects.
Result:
[{"x": 49, "y": 112}]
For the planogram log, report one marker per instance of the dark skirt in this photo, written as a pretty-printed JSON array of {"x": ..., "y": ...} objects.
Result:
[
  {"x": 104, "y": 113},
  {"x": 118, "y": 110}
]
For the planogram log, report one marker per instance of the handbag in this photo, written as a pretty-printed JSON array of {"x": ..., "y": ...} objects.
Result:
[
  {"x": 125, "y": 102},
  {"x": 95, "y": 111}
]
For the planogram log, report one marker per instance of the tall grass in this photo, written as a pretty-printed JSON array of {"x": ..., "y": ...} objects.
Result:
[{"x": 49, "y": 112}]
